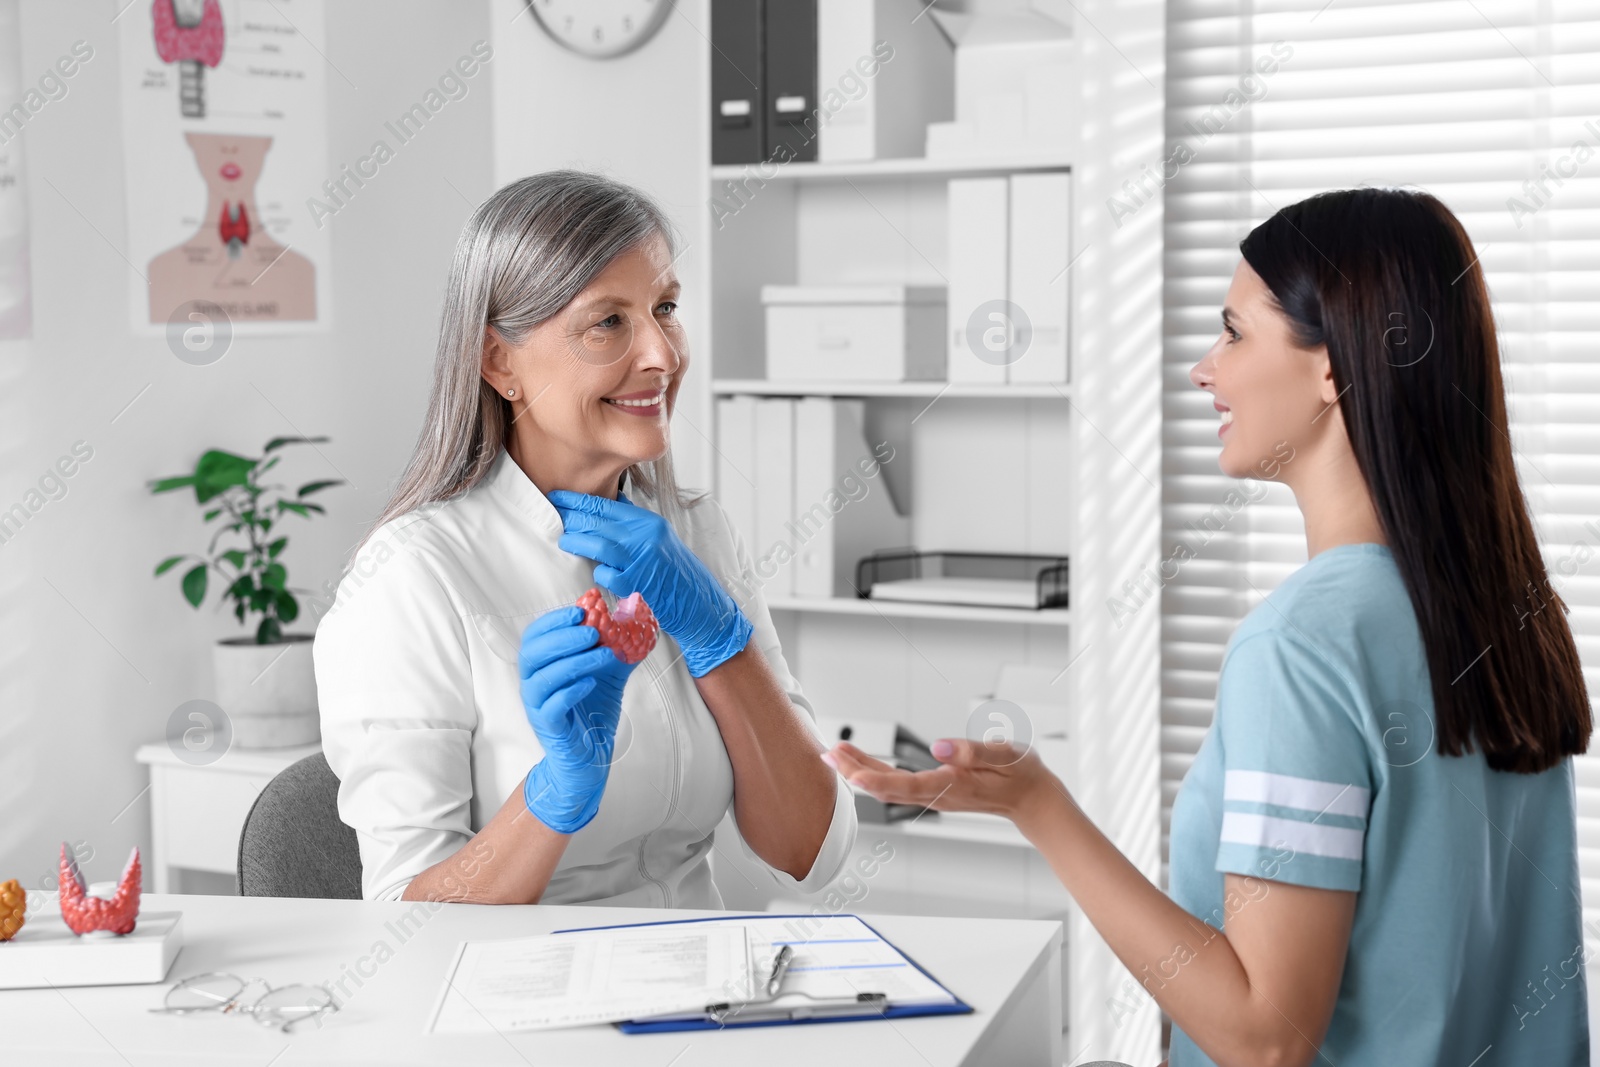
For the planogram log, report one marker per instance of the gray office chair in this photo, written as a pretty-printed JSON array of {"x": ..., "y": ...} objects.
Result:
[{"x": 293, "y": 843}]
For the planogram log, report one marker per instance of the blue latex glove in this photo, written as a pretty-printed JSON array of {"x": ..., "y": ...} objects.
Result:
[
  {"x": 638, "y": 551},
  {"x": 572, "y": 693}
]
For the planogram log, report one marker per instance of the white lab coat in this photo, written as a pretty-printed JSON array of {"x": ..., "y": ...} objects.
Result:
[{"x": 423, "y": 722}]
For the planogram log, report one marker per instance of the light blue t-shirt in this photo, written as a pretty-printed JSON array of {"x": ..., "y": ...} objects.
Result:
[{"x": 1320, "y": 769}]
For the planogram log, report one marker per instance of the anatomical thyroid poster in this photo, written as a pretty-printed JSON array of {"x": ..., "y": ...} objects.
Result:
[
  {"x": 15, "y": 301},
  {"x": 224, "y": 118}
]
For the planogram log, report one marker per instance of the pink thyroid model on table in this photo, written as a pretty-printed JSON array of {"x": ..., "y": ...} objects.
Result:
[{"x": 84, "y": 914}]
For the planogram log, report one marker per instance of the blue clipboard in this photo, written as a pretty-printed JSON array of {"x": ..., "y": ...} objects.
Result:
[{"x": 889, "y": 1011}]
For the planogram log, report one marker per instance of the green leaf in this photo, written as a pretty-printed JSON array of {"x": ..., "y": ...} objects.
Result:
[
  {"x": 262, "y": 599},
  {"x": 194, "y": 585},
  {"x": 218, "y": 472},
  {"x": 288, "y": 608},
  {"x": 298, "y": 509},
  {"x": 275, "y": 547},
  {"x": 274, "y": 576},
  {"x": 316, "y": 487},
  {"x": 278, "y": 442},
  {"x": 238, "y": 611},
  {"x": 235, "y": 557},
  {"x": 242, "y": 587},
  {"x": 269, "y": 632},
  {"x": 164, "y": 484},
  {"x": 318, "y": 508},
  {"x": 213, "y": 513},
  {"x": 167, "y": 564},
  {"x": 268, "y": 465}
]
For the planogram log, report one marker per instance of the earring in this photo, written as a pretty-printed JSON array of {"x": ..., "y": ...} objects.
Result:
[{"x": 511, "y": 392}]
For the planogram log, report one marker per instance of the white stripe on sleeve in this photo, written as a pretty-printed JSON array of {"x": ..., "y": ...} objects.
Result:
[
  {"x": 1267, "y": 831},
  {"x": 1306, "y": 794}
]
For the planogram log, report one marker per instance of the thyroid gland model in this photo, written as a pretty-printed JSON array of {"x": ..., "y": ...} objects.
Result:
[
  {"x": 230, "y": 260},
  {"x": 84, "y": 914},
  {"x": 189, "y": 33}
]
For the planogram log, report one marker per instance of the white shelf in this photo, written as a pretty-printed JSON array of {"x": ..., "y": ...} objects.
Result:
[
  {"x": 974, "y": 827},
  {"x": 947, "y": 390},
  {"x": 888, "y": 168},
  {"x": 900, "y": 609}
]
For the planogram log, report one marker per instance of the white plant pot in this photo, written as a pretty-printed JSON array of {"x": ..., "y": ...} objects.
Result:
[{"x": 268, "y": 692}]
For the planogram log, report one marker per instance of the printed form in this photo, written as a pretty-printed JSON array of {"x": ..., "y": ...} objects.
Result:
[{"x": 672, "y": 970}]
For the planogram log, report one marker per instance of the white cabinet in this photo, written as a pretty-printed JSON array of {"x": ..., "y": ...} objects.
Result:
[{"x": 197, "y": 811}]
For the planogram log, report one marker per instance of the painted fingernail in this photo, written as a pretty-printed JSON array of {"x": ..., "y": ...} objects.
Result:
[
  {"x": 942, "y": 749},
  {"x": 827, "y": 757}
]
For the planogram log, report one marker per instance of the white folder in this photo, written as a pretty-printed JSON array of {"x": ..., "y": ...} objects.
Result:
[
  {"x": 977, "y": 211},
  {"x": 843, "y": 509},
  {"x": 736, "y": 472},
  {"x": 773, "y": 547},
  {"x": 1040, "y": 212}
]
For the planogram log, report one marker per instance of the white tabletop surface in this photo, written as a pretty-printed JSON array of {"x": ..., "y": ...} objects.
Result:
[{"x": 983, "y": 961}]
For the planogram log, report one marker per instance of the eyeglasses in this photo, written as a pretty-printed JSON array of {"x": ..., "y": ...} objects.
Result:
[{"x": 281, "y": 1006}]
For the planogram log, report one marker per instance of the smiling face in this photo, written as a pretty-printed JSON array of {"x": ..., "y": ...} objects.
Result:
[
  {"x": 596, "y": 383},
  {"x": 1272, "y": 397}
]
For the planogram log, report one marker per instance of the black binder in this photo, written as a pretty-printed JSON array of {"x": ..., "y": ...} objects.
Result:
[
  {"x": 790, "y": 40},
  {"x": 763, "y": 80},
  {"x": 737, "y": 107}
]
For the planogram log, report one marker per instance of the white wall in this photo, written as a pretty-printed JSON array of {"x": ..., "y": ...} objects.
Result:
[
  {"x": 640, "y": 119},
  {"x": 94, "y": 652}
]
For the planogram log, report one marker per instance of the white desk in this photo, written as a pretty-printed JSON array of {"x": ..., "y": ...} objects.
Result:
[
  {"x": 1008, "y": 970},
  {"x": 196, "y": 812}
]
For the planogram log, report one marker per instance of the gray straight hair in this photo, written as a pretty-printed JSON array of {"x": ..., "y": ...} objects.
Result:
[{"x": 525, "y": 253}]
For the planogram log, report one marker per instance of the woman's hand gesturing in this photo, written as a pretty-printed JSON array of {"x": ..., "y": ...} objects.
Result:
[
  {"x": 572, "y": 693},
  {"x": 976, "y": 776},
  {"x": 637, "y": 550}
]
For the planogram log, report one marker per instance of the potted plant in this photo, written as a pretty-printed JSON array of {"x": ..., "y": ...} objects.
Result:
[{"x": 265, "y": 682}]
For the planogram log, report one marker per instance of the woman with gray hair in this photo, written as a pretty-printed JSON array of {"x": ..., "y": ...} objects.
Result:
[{"x": 543, "y": 468}]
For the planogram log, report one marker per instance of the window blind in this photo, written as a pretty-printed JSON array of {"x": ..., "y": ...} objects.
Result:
[{"x": 1493, "y": 106}]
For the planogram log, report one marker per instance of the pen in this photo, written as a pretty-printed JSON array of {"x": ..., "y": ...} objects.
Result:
[{"x": 779, "y": 966}]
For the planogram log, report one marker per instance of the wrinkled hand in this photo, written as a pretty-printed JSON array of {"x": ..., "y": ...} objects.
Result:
[
  {"x": 995, "y": 778},
  {"x": 572, "y": 693},
  {"x": 636, "y": 550}
]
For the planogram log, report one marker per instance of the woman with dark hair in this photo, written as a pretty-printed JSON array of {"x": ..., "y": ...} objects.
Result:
[{"x": 1374, "y": 855}]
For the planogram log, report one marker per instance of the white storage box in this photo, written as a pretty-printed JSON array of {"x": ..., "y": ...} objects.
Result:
[{"x": 854, "y": 333}]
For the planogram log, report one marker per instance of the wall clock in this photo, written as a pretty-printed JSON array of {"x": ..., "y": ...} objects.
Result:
[{"x": 600, "y": 29}]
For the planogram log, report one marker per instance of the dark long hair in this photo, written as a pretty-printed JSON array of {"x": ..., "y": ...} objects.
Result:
[{"x": 1389, "y": 281}]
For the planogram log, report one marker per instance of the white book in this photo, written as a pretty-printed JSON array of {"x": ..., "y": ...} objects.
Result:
[
  {"x": 977, "y": 213},
  {"x": 736, "y": 473},
  {"x": 877, "y": 108},
  {"x": 773, "y": 547},
  {"x": 843, "y": 509},
  {"x": 1040, "y": 213},
  {"x": 844, "y": 33}
]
